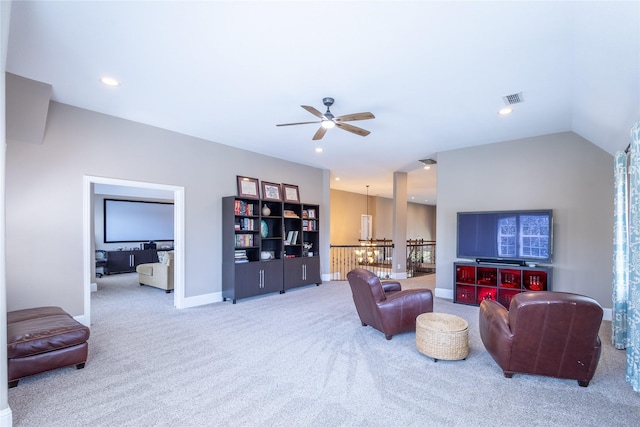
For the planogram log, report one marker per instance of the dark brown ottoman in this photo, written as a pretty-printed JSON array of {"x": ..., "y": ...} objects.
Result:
[{"x": 42, "y": 339}]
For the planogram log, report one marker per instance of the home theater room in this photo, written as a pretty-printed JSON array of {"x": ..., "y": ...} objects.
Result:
[{"x": 320, "y": 212}]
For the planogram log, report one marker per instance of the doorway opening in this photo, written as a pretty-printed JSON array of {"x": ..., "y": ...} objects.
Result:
[{"x": 89, "y": 235}]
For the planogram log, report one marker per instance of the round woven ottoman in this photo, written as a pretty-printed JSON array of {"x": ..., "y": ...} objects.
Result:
[{"x": 442, "y": 336}]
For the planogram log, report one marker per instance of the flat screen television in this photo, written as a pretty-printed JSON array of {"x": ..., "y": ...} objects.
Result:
[
  {"x": 137, "y": 221},
  {"x": 506, "y": 236}
]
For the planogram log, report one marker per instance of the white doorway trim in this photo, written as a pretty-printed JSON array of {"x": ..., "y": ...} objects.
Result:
[{"x": 88, "y": 236}]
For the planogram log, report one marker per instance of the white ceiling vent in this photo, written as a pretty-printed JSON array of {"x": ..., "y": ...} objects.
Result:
[{"x": 515, "y": 98}]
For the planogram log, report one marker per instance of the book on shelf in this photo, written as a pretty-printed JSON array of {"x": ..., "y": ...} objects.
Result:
[
  {"x": 289, "y": 238},
  {"x": 292, "y": 237},
  {"x": 241, "y": 256},
  {"x": 243, "y": 208},
  {"x": 244, "y": 240},
  {"x": 290, "y": 214},
  {"x": 309, "y": 225},
  {"x": 245, "y": 224}
]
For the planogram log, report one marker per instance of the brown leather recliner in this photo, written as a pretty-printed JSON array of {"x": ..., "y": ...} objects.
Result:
[
  {"x": 544, "y": 333},
  {"x": 385, "y": 306}
]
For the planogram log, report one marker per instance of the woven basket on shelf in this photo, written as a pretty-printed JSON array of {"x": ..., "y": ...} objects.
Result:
[{"x": 442, "y": 336}]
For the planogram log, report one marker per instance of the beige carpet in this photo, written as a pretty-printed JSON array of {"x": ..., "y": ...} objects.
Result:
[{"x": 297, "y": 359}]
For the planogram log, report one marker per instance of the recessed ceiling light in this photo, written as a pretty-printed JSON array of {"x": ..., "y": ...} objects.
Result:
[
  {"x": 337, "y": 178},
  {"x": 504, "y": 111},
  {"x": 109, "y": 81},
  {"x": 319, "y": 149},
  {"x": 427, "y": 167}
]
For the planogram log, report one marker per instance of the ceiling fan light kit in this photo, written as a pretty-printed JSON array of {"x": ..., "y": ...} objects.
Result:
[{"x": 328, "y": 120}]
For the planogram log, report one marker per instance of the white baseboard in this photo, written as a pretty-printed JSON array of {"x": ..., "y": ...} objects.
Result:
[
  {"x": 6, "y": 417},
  {"x": 444, "y": 293},
  {"x": 202, "y": 300},
  {"x": 328, "y": 277}
]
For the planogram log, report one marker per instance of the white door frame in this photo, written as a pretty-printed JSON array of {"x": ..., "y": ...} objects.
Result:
[{"x": 88, "y": 235}]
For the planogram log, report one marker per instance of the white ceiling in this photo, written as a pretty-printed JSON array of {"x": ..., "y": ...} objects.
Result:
[{"x": 433, "y": 73}]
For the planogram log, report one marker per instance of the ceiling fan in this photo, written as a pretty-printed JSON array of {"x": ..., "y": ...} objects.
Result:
[{"x": 329, "y": 120}]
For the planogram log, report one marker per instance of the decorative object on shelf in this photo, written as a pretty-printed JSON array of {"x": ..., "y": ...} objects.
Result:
[
  {"x": 248, "y": 187},
  {"x": 291, "y": 193},
  {"x": 305, "y": 249},
  {"x": 266, "y": 255},
  {"x": 265, "y": 210},
  {"x": 271, "y": 191},
  {"x": 311, "y": 213},
  {"x": 264, "y": 228}
]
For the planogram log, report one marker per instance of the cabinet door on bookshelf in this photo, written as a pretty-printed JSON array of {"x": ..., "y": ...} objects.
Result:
[
  {"x": 256, "y": 278},
  {"x": 272, "y": 276},
  {"x": 301, "y": 271},
  {"x": 247, "y": 280}
]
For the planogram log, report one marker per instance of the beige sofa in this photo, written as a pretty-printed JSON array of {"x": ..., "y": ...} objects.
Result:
[{"x": 158, "y": 274}]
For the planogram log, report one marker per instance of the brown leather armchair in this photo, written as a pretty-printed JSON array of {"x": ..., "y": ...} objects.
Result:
[
  {"x": 544, "y": 333},
  {"x": 384, "y": 305}
]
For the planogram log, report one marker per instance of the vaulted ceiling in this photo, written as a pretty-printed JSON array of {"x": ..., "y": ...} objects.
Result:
[{"x": 434, "y": 73}]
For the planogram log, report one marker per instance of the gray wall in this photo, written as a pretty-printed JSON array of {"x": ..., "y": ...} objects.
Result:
[
  {"x": 44, "y": 197},
  {"x": 563, "y": 172}
]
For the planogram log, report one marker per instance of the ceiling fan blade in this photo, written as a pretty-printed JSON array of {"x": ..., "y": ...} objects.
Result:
[
  {"x": 354, "y": 117},
  {"x": 320, "y": 133},
  {"x": 299, "y": 123},
  {"x": 313, "y": 111},
  {"x": 353, "y": 129}
]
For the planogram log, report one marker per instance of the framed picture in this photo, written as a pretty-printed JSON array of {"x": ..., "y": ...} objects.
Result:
[
  {"x": 271, "y": 191},
  {"x": 248, "y": 187},
  {"x": 291, "y": 193},
  {"x": 312, "y": 213}
]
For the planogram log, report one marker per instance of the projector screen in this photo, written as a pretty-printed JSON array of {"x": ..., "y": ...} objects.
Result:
[{"x": 137, "y": 221}]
